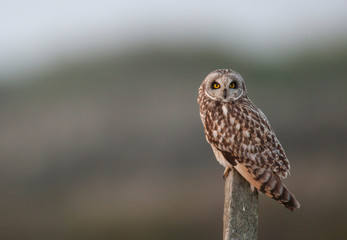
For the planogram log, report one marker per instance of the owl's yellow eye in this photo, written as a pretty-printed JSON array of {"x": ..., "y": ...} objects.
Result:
[
  {"x": 216, "y": 86},
  {"x": 232, "y": 85}
]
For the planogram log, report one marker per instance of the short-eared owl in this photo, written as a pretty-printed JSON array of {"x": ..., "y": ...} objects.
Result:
[{"x": 241, "y": 136}]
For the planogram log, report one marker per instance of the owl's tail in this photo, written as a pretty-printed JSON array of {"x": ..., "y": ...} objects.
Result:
[
  {"x": 275, "y": 189},
  {"x": 271, "y": 185}
]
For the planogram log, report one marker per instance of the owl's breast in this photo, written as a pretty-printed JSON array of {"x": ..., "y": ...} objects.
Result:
[
  {"x": 218, "y": 125},
  {"x": 227, "y": 127}
]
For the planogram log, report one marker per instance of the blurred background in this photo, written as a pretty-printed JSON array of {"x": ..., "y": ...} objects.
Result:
[{"x": 100, "y": 135}]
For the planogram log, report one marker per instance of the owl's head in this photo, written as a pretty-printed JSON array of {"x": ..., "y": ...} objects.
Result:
[{"x": 224, "y": 85}]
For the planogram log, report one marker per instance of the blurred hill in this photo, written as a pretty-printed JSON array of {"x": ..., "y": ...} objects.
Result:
[{"x": 112, "y": 147}]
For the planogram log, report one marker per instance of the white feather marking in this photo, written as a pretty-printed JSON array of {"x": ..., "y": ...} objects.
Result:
[
  {"x": 225, "y": 110},
  {"x": 246, "y": 133},
  {"x": 252, "y": 157},
  {"x": 238, "y": 126},
  {"x": 232, "y": 121},
  {"x": 222, "y": 124},
  {"x": 214, "y": 134}
]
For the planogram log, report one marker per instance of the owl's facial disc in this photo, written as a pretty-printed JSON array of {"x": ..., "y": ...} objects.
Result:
[{"x": 224, "y": 88}]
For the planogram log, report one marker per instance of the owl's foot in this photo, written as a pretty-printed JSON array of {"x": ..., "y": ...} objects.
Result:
[
  {"x": 252, "y": 187},
  {"x": 226, "y": 172}
]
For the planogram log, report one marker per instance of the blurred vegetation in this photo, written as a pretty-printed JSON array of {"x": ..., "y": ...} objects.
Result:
[{"x": 112, "y": 147}]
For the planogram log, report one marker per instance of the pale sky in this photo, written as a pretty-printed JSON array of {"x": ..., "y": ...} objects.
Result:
[{"x": 34, "y": 33}]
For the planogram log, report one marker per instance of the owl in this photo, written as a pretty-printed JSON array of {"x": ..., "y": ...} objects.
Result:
[{"x": 241, "y": 136}]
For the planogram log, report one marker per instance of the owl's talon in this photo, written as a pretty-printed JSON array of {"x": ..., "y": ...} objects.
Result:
[{"x": 226, "y": 172}]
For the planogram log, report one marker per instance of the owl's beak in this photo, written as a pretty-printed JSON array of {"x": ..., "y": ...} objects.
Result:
[{"x": 225, "y": 93}]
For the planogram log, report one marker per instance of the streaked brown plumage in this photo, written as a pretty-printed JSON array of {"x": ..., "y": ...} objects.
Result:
[{"x": 241, "y": 136}]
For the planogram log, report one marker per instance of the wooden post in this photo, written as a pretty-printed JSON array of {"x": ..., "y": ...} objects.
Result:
[{"x": 240, "y": 220}]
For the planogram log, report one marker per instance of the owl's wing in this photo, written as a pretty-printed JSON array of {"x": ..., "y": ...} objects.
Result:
[
  {"x": 247, "y": 136},
  {"x": 264, "y": 180},
  {"x": 269, "y": 148},
  {"x": 244, "y": 137}
]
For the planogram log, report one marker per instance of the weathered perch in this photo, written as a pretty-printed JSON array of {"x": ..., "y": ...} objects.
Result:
[{"x": 240, "y": 220}]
